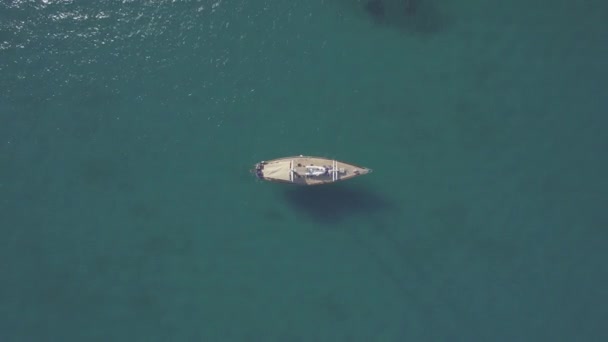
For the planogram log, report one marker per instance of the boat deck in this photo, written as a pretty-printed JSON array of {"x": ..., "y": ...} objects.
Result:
[{"x": 305, "y": 170}]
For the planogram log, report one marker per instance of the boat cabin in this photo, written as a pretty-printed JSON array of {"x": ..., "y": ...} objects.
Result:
[{"x": 313, "y": 170}]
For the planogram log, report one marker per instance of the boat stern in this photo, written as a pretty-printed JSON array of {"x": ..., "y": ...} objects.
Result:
[{"x": 258, "y": 169}]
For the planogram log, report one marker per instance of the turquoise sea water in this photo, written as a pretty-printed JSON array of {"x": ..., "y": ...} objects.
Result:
[{"x": 127, "y": 129}]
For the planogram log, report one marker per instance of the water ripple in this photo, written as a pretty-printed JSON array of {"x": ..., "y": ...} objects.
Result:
[
  {"x": 51, "y": 35},
  {"x": 52, "y": 48}
]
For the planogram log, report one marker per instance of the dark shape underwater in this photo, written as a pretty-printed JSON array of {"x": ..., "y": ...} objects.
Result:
[
  {"x": 334, "y": 202},
  {"x": 375, "y": 8}
]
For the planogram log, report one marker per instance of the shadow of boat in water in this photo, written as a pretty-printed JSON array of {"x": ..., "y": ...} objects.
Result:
[{"x": 334, "y": 202}]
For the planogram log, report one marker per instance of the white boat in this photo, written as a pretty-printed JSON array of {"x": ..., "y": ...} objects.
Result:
[{"x": 307, "y": 170}]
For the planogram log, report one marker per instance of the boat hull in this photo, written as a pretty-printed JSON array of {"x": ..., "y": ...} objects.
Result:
[{"x": 307, "y": 170}]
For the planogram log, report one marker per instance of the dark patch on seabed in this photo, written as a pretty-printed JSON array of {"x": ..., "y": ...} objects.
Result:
[
  {"x": 415, "y": 16},
  {"x": 334, "y": 202}
]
